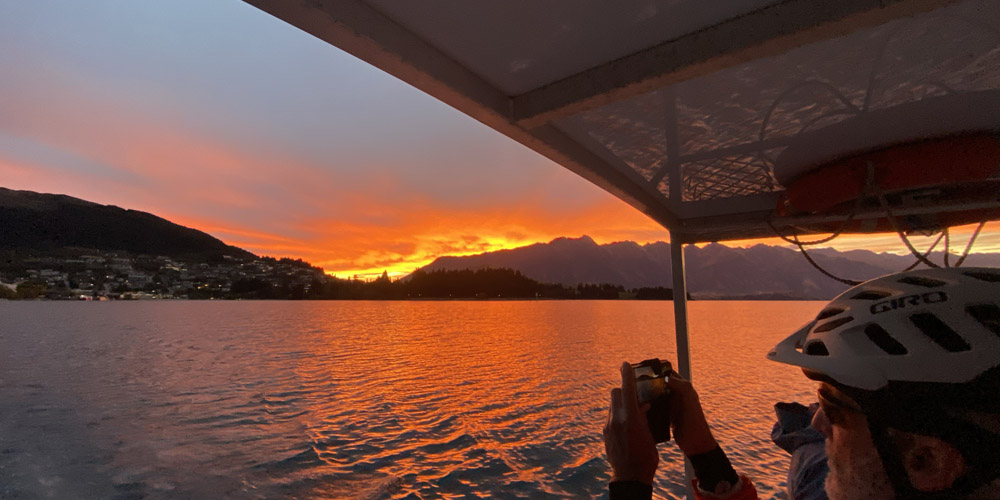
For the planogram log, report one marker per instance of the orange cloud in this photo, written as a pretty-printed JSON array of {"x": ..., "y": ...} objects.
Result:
[
  {"x": 405, "y": 236},
  {"x": 422, "y": 232}
]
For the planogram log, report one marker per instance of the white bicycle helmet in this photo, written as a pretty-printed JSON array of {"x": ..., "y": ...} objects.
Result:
[
  {"x": 918, "y": 352},
  {"x": 932, "y": 325}
]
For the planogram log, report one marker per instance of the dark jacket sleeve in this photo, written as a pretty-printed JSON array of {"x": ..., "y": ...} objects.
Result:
[{"x": 794, "y": 433}]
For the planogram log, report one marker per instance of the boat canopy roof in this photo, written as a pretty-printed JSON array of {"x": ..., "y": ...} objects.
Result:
[{"x": 699, "y": 114}]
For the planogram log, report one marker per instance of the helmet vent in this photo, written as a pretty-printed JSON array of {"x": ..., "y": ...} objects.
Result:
[
  {"x": 884, "y": 341},
  {"x": 939, "y": 332},
  {"x": 983, "y": 275},
  {"x": 922, "y": 281},
  {"x": 816, "y": 348},
  {"x": 871, "y": 295},
  {"x": 830, "y": 325},
  {"x": 988, "y": 315},
  {"x": 826, "y": 313}
]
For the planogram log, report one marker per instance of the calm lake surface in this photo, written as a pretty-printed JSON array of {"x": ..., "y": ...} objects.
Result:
[{"x": 364, "y": 400}]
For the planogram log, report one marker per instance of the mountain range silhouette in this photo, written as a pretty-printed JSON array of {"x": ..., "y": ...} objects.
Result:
[{"x": 713, "y": 271}]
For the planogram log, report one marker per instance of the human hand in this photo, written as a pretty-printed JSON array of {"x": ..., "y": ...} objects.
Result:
[
  {"x": 627, "y": 438},
  {"x": 691, "y": 431}
]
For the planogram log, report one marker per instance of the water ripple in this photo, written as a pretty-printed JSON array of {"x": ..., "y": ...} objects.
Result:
[{"x": 360, "y": 400}]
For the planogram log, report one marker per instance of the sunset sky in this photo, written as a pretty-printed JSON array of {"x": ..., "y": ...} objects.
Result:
[{"x": 217, "y": 116}]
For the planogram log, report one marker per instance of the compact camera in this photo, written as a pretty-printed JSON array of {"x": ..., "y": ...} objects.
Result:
[{"x": 651, "y": 378}]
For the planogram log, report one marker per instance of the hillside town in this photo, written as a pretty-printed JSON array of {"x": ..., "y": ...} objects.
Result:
[
  {"x": 117, "y": 276},
  {"x": 99, "y": 275}
]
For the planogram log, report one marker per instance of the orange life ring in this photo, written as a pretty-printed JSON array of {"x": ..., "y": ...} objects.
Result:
[{"x": 909, "y": 166}]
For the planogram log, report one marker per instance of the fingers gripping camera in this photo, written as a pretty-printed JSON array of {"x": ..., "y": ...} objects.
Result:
[{"x": 651, "y": 377}]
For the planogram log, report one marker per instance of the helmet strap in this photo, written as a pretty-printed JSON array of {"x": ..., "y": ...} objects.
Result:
[{"x": 892, "y": 462}]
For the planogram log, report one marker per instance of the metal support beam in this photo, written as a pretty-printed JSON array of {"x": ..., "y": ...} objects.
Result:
[
  {"x": 681, "y": 327},
  {"x": 623, "y": 183},
  {"x": 748, "y": 225},
  {"x": 672, "y": 166},
  {"x": 768, "y": 32},
  {"x": 680, "y": 305}
]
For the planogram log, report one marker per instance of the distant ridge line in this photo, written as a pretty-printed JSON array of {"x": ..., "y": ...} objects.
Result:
[{"x": 714, "y": 271}]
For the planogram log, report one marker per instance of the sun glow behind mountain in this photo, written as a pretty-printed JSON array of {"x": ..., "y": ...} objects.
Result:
[{"x": 407, "y": 238}]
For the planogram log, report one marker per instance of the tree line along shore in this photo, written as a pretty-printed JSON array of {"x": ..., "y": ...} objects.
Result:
[{"x": 68, "y": 275}]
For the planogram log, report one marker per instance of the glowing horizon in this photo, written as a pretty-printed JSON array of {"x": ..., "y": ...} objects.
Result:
[{"x": 888, "y": 243}]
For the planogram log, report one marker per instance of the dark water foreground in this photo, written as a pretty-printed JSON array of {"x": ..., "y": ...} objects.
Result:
[{"x": 361, "y": 400}]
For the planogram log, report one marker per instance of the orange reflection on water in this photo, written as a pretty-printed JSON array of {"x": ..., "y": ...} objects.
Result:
[{"x": 439, "y": 398}]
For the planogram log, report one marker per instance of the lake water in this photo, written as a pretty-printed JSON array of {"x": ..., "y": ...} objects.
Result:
[{"x": 364, "y": 400}]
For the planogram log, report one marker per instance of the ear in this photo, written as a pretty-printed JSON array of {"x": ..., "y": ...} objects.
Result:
[{"x": 932, "y": 464}]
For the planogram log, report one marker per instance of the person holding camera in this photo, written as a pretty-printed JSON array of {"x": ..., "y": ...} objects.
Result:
[{"x": 908, "y": 374}]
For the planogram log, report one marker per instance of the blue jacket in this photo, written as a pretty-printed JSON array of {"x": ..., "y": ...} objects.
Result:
[{"x": 794, "y": 433}]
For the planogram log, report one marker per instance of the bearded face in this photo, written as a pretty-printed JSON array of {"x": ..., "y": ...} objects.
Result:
[{"x": 856, "y": 471}]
